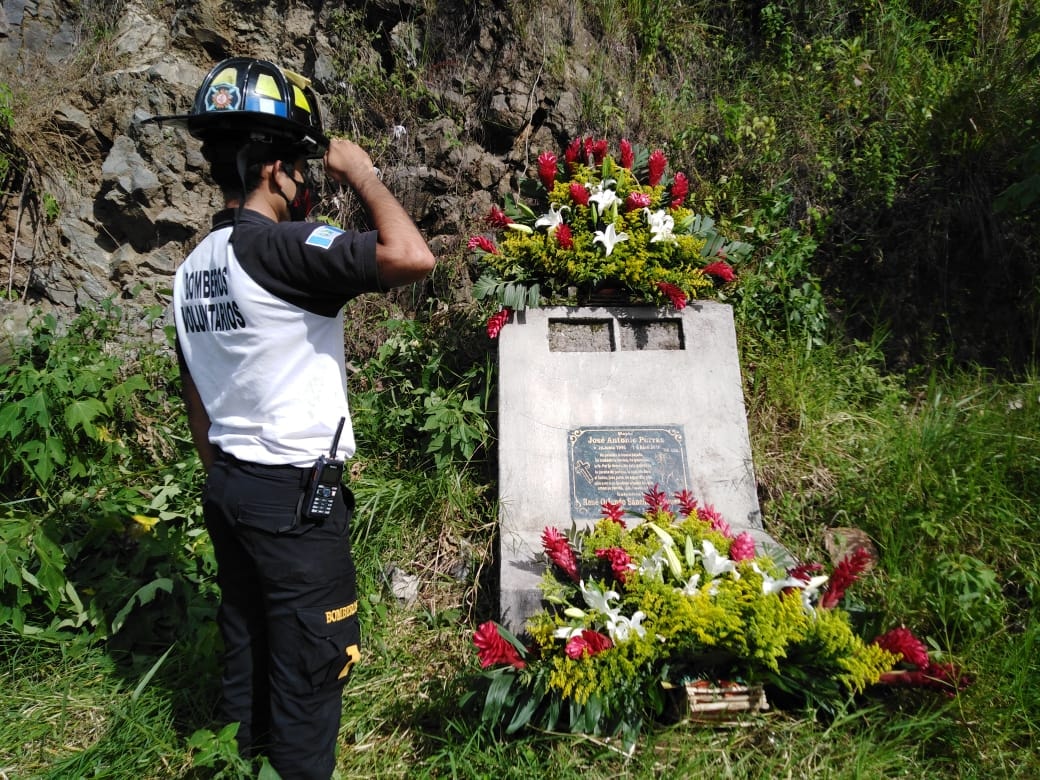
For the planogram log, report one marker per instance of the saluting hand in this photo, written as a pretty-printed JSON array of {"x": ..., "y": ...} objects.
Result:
[{"x": 348, "y": 163}]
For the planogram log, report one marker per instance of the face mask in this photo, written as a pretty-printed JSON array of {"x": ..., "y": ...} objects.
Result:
[{"x": 301, "y": 205}]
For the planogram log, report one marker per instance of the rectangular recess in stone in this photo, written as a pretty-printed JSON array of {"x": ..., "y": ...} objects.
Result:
[
  {"x": 588, "y": 335},
  {"x": 651, "y": 334}
]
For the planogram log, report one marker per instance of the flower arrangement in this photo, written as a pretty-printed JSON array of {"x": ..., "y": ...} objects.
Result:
[
  {"x": 599, "y": 220},
  {"x": 671, "y": 596}
]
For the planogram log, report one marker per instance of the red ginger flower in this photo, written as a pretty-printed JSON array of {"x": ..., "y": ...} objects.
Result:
[
  {"x": 564, "y": 237},
  {"x": 637, "y": 200},
  {"x": 547, "y": 169},
  {"x": 680, "y": 188},
  {"x": 845, "y": 573},
  {"x": 721, "y": 270},
  {"x": 579, "y": 193},
  {"x": 901, "y": 641},
  {"x": 804, "y": 571},
  {"x": 656, "y": 165},
  {"x": 620, "y": 562},
  {"x": 573, "y": 153},
  {"x": 597, "y": 150},
  {"x": 614, "y": 510},
  {"x": 656, "y": 499},
  {"x": 497, "y": 321},
  {"x": 687, "y": 503},
  {"x": 483, "y": 243},
  {"x": 493, "y": 648},
  {"x": 587, "y": 643},
  {"x": 709, "y": 514},
  {"x": 742, "y": 548},
  {"x": 498, "y": 218},
  {"x": 627, "y": 156},
  {"x": 675, "y": 295},
  {"x": 559, "y": 551}
]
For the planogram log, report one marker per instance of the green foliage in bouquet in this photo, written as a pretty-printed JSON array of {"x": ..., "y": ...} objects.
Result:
[
  {"x": 600, "y": 220},
  {"x": 632, "y": 609}
]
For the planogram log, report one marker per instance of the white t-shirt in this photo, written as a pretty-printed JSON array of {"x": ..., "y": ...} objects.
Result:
[{"x": 259, "y": 313}]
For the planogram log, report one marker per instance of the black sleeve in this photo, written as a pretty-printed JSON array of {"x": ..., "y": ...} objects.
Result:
[{"x": 308, "y": 264}]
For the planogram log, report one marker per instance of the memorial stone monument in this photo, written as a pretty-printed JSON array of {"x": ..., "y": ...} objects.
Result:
[{"x": 600, "y": 404}]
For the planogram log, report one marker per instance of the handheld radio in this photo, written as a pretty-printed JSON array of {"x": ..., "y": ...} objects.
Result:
[{"x": 326, "y": 476}]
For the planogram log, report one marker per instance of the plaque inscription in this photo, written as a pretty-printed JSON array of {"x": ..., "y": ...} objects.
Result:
[{"x": 621, "y": 464}]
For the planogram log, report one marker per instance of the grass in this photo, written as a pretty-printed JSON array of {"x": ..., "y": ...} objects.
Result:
[{"x": 943, "y": 473}]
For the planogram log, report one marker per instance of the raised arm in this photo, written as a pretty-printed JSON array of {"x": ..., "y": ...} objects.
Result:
[{"x": 401, "y": 252}]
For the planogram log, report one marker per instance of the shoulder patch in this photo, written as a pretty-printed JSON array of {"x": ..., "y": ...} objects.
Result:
[{"x": 323, "y": 236}]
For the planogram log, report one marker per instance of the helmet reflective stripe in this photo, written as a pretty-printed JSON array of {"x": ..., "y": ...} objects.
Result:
[
  {"x": 266, "y": 106},
  {"x": 228, "y": 74},
  {"x": 266, "y": 86}
]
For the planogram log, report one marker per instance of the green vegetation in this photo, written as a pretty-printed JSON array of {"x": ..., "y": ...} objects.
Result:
[
  {"x": 120, "y": 678},
  {"x": 882, "y": 161}
]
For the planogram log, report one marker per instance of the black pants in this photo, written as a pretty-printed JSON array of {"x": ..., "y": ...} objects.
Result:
[{"x": 288, "y": 614}]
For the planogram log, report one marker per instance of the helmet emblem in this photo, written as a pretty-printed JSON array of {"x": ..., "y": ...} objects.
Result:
[{"x": 223, "y": 97}]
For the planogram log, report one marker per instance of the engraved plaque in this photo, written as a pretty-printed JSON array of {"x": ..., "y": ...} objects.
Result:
[{"x": 621, "y": 464}]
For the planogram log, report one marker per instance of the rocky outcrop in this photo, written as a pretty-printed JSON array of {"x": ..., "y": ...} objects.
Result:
[{"x": 111, "y": 204}]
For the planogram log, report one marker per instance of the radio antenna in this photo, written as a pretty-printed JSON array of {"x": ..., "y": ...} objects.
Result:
[{"x": 335, "y": 439}]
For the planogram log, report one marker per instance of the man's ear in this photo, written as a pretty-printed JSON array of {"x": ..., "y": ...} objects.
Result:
[{"x": 271, "y": 170}]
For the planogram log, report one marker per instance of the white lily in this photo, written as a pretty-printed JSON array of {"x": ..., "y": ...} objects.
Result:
[
  {"x": 812, "y": 588},
  {"x": 604, "y": 195},
  {"x": 716, "y": 564},
  {"x": 770, "y": 585},
  {"x": 567, "y": 632},
  {"x": 692, "y": 585},
  {"x": 553, "y": 219},
  {"x": 652, "y": 566},
  {"x": 621, "y": 628},
  {"x": 609, "y": 238},
  {"x": 661, "y": 225},
  {"x": 599, "y": 600}
]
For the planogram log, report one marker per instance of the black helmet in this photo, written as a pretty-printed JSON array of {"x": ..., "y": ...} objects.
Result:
[{"x": 245, "y": 99}]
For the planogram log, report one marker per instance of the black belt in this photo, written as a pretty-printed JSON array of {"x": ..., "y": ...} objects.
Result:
[{"x": 279, "y": 470}]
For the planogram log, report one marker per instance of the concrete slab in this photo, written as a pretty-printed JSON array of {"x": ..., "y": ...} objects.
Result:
[{"x": 601, "y": 403}]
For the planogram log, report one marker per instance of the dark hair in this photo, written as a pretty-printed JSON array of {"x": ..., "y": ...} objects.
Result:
[{"x": 222, "y": 156}]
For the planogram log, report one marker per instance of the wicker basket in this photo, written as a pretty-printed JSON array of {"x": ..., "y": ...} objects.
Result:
[{"x": 721, "y": 702}]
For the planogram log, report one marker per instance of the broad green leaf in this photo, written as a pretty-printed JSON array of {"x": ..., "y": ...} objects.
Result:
[
  {"x": 593, "y": 710},
  {"x": 81, "y": 414},
  {"x": 132, "y": 384},
  {"x": 144, "y": 595},
  {"x": 36, "y": 410},
  {"x": 523, "y": 714},
  {"x": 497, "y": 695},
  {"x": 11, "y": 420}
]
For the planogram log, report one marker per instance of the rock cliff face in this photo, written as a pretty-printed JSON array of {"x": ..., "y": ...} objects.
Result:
[{"x": 449, "y": 100}]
